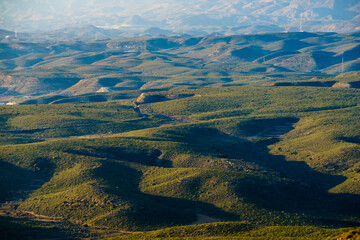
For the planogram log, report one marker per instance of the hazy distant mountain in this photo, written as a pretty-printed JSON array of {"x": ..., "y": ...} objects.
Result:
[
  {"x": 82, "y": 33},
  {"x": 76, "y": 67},
  {"x": 231, "y": 17}
]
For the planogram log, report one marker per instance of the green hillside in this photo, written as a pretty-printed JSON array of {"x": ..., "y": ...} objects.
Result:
[
  {"x": 232, "y": 230},
  {"x": 221, "y": 137},
  {"x": 262, "y": 156},
  {"x": 76, "y": 68}
]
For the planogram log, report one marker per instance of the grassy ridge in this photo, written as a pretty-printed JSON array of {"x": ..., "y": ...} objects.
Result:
[
  {"x": 49, "y": 121},
  {"x": 13, "y": 228},
  {"x": 264, "y": 155},
  {"x": 272, "y": 100},
  {"x": 232, "y": 230},
  {"x": 325, "y": 132},
  {"x": 74, "y": 68},
  {"x": 85, "y": 188}
]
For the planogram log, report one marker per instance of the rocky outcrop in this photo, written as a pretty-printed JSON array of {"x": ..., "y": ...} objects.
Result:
[{"x": 151, "y": 98}]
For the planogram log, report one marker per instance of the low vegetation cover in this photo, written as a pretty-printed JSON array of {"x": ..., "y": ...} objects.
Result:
[
  {"x": 58, "y": 71},
  {"x": 210, "y": 137},
  {"x": 282, "y": 162},
  {"x": 64, "y": 120},
  {"x": 244, "y": 231}
]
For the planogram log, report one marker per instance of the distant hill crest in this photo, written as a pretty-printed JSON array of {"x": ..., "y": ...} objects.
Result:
[{"x": 227, "y": 17}]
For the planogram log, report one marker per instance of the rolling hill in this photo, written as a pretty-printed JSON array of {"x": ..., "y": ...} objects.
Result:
[
  {"x": 134, "y": 18},
  {"x": 219, "y": 136},
  {"x": 263, "y": 156},
  {"x": 73, "y": 68}
]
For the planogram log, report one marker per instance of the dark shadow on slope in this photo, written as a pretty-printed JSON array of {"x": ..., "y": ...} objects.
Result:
[
  {"x": 249, "y": 53},
  {"x": 306, "y": 84},
  {"x": 147, "y": 158},
  {"x": 285, "y": 185},
  {"x": 147, "y": 211},
  {"x": 325, "y": 59},
  {"x": 19, "y": 228},
  {"x": 355, "y": 84},
  {"x": 351, "y": 139},
  {"x": 17, "y": 182},
  {"x": 278, "y": 185},
  {"x": 31, "y": 131}
]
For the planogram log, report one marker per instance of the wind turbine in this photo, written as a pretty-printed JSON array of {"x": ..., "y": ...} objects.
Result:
[
  {"x": 301, "y": 28},
  {"x": 287, "y": 25}
]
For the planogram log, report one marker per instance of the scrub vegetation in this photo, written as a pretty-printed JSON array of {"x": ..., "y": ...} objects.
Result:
[{"x": 179, "y": 145}]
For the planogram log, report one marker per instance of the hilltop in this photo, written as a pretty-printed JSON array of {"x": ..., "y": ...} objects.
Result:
[
  {"x": 73, "y": 67},
  {"x": 257, "y": 155},
  {"x": 134, "y": 18},
  {"x": 225, "y": 137}
]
